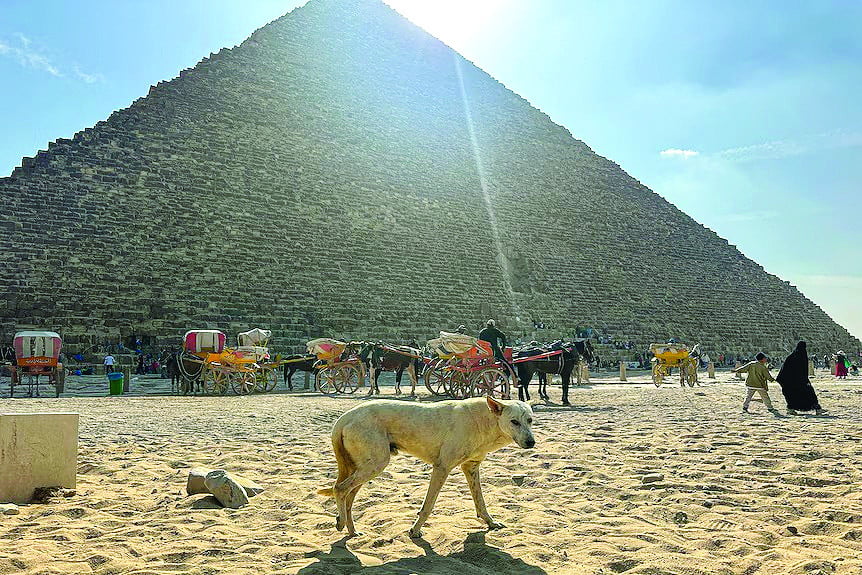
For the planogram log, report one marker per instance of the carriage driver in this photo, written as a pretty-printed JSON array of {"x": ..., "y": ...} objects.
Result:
[{"x": 497, "y": 339}]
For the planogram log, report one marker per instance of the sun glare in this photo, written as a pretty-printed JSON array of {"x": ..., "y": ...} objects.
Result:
[{"x": 458, "y": 23}]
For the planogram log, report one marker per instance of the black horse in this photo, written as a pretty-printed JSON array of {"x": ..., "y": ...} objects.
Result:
[
  {"x": 298, "y": 362},
  {"x": 379, "y": 357},
  {"x": 569, "y": 358},
  {"x": 185, "y": 375}
]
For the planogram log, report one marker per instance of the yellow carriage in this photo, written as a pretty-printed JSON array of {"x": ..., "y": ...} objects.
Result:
[
  {"x": 245, "y": 368},
  {"x": 673, "y": 355}
]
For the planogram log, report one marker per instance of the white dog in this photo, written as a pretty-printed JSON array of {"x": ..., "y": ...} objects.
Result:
[{"x": 445, "y": 434}]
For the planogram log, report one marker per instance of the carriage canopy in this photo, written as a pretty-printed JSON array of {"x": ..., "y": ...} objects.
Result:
[
  {"x": 37, "y": 347},
  {"x": 204, "y": 341},
  {"x": 458, "y": 344},
  {"x": 325, "y": 348},
  {"x": 254, "y": 337}
]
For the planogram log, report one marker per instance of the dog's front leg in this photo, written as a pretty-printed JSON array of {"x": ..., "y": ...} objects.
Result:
[
  {"x": 471, "y": 471},
  {"x": 438, "y": 478}
]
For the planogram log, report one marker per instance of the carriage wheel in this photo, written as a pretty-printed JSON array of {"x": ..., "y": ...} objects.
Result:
[
  {"x": 325, "y": 379},
  {"x": 657, "y": 374},
  {"x": 493, "y": 382},
  {"x": 265, "y": 380},
  {"x": 243, "y": 382},
  {"x": 436, "y": 379},
  {"x": 348, "y": 382},
  {"x": 215, "y": 381},
  {"x": 460, "y": 384}
]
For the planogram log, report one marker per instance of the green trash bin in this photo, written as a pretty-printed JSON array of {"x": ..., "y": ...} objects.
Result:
[{"x": 115, "y": 383}]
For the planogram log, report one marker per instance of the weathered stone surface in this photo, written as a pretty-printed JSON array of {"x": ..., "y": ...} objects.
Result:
[
  {"x": 323, "y": 174},
  {"x": 224, "y": 488},
  {"x": 197, "y": 482},
  {"x": 37, "y": 450},
  {"x": 9, "y": 509}
]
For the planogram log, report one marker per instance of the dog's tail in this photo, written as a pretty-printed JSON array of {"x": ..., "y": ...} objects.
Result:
[{"x": 342, "y": 458}]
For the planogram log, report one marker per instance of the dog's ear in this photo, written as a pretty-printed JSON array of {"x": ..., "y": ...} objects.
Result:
[{"x": 495, "y": 406}]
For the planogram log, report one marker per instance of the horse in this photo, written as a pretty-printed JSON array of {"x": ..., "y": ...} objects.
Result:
[
  {"x": 298, "y": 362},
  {"x": 185, "y": 375},
  {"x": 561, "y": 363},
  {"x": 378, "y": 357}
]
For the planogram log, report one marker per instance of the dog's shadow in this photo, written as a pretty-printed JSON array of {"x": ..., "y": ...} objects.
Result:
[{"x": 477, "y": 557}]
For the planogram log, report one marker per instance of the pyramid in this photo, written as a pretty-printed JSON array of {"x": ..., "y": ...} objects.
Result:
[{"x": 343, "y": 173}]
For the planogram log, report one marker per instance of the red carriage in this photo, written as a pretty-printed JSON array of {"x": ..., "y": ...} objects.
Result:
[
  {"x": 462, "y": 366},
  {"x": 37, "y": 356}
]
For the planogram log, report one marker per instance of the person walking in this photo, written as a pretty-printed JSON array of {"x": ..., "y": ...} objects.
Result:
[
  {"x": 841, "y": 365},
  {"x": 756, "y": 381},
  {"x": 795, "y": 385},
  {"x": 109, "y": 363}
]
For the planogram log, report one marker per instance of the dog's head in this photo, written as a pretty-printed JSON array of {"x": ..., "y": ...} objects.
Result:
[{"x": 515, "y": 418}]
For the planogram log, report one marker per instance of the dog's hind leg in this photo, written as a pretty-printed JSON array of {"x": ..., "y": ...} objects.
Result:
[
  {"x": 370, "y": 451},
  {"x": 471, "y": 472},
  {"x": 438, "y": 478}
]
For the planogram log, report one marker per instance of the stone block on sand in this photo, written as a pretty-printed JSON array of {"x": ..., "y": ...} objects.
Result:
[
  {"x": 224, "y": 488},
  {"x": 36, "y": 450}
]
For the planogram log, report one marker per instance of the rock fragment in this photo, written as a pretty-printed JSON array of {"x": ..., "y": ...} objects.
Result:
[
  {"x": 224, "y": 488},
  {"x": 652, "y": 478},
  {"x": 196, "y": 482},
  {"x": 9, "y": 509}
]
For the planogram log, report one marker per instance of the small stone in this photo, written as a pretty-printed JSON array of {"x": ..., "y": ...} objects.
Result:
[
  {"x": 652, "y": 478},
  {"x": 9, "y": 509},
  {"x": 708, "y": 504},
  {"x": 793, "y": 530},
  {"x": 518, "y": 479},
  {"x": 196, "y": 482},
  {"x": 680, "y": 518},
  {"x": 228, "y": 492}
]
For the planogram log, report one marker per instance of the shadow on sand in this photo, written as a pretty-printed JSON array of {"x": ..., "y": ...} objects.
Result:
[{"x": 477, "y": 558}]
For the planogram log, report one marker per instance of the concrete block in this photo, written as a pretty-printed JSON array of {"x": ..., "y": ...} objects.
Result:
[{"x": 36, "y": 450}]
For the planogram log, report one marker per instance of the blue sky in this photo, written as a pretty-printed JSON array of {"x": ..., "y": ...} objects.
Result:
[{"x": 744, "y": 114}]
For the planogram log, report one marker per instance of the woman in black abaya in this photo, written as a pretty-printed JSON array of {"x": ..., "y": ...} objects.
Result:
[{"x": 795, "y": 385}]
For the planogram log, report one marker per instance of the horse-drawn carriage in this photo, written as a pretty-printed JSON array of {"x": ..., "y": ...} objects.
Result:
[
  {"x": 462, "y": 366},
  {"x": 339, "y": 368},
  {"x": 206, "y": 363},
  {"x": 37, "y": 355},
  {"x": 674, "y": 355}
]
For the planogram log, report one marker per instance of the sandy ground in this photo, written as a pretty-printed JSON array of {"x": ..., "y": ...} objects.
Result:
[{"x": 733, "y": 486}]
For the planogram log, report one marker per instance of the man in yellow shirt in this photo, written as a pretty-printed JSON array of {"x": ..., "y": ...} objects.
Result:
[{"x": 756, "y": 382}]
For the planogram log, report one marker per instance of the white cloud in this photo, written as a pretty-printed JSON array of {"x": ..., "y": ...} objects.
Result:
[
  {"x": 87, "y": 78},
  {"x": 29, "y": 57},
  {"x": 778, "y": 149},
  {"x": 677, "y": 153}
]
